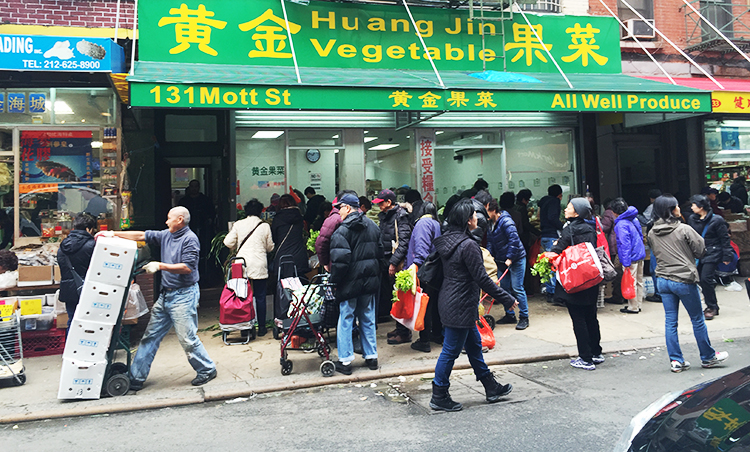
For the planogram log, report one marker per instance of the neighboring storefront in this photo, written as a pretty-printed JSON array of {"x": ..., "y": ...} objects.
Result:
[
  {"x": 364, "y": 108},
  {"x": 59, "y": 146}
]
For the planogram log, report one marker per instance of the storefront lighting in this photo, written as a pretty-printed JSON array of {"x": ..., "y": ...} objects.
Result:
[
  {"x": 96, "y": 144},
  {"x": 439, "y": 132},
  {"x": 383, "y": 147},
  {"x": 734, "y": 151},
  {"x": 368, "y": 139},
  {"x": 61, "y": 108},
  {"x": 335, "y": 151},
  {"x": 106, "y": 114},
  {"x": 268, "y": 134},
  {"x": 335, "y": 137}
]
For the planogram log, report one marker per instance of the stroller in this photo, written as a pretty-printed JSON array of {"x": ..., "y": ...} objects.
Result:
[{"x": 237, "y": 305}]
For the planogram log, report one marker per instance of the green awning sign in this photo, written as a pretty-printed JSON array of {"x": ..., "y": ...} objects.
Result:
[{"x": 340, "y": 35}]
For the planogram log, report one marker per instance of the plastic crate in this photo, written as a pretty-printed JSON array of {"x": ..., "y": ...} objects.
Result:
[{"x": 43, "y": 343}]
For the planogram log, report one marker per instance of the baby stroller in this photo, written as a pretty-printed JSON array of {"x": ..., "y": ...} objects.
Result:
[{"x": 237, "y": 305}]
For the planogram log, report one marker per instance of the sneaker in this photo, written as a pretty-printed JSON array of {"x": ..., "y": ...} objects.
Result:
[
  {"x": 508, "y": 319},
  {"x": 716, "y": 360},
  {"x": 523, "y": 323},
  {"x": 581, "y": 364},
  {"x": 345, "y": 369},
  {"x": 421, "y": 346},
  {"x": 398, "y": 339},
  {"x": 677, "y": 366},
  {"x": 202, "y": 379},
  {"x": 372, "y": 363},
  {"x": 598, "y": 359}
]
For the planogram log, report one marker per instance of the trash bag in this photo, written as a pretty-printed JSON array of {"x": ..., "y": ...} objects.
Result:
[{"x": 136, "y": 304}]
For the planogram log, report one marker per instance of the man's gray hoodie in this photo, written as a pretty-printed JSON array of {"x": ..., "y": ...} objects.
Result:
[{"x": 676, "y": 247}]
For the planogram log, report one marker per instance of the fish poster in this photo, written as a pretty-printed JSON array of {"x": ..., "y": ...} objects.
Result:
[{"x": 56, "y": 157}]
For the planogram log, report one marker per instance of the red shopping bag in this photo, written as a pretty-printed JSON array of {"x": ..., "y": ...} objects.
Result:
[
  {"x": 404, "y": 307},
  {"x": 628, "y": 285},
  {"x": 233, "y": 309},
  {"x": 601, "y": 238},
  {"x": 579, "y": 268},
  {"x": 488, "y": 337},
  {"x": 534, "y": 251}
]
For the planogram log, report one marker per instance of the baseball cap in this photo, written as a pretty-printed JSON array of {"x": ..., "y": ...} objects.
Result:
[
  {"x": 350, "y": 200},
  {"x": 384, "y": 195}
]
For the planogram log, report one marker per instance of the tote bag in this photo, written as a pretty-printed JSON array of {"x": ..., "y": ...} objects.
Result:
[{"x": 579, "y": 268}]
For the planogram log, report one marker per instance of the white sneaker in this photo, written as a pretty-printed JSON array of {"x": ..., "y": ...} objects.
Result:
[
  {"x": 679, "y": 366},
  {"x": 716, "y": 360}
]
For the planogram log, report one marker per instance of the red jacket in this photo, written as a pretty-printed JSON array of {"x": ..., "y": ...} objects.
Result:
[{"x": 323, "y": 242}]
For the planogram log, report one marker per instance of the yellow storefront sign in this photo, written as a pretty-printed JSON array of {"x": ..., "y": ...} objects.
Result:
[{"x": 730, "y": 102}]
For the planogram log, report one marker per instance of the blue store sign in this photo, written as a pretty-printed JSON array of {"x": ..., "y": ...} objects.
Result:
[{"x": 58, "y": 53}]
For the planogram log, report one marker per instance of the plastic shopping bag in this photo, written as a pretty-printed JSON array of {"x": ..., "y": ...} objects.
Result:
[
  {"x": 418, "y": 307},
  {"x": 579, "y": 268},
  {"x": 488, "y": 337},
  {"x": 404, "y": 307},
  {"x": 423, "y": 301},
  {"x": 628, "y": 285},
  {"x": 136, "y": 306}
]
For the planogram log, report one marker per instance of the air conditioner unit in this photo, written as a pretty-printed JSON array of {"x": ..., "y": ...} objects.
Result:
[{"x": 638, "y": 28}]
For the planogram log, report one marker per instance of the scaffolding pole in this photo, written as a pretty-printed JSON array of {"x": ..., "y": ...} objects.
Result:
[{"x": 424, "y": 46}]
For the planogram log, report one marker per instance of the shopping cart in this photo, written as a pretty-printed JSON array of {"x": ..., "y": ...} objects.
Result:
[
  {"x": 237, "y": 305},
  {"x": 11, "y": 350},
  {"x": 485, "y": 306},
  {"x": 306, "y": 320}
]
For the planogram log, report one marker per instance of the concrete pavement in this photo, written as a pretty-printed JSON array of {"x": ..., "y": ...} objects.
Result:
[{"x": 244, "y": 370}]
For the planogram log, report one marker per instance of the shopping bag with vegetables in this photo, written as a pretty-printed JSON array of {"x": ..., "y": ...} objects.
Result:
[{"x": 404, "y": 293}]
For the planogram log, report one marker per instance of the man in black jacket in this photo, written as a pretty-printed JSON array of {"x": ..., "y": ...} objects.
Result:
[
  {"x": 314, "y": 202},
  {"x": 395, "y": 232},
  {"x": 551, "y": 227},
  {"x": 356, "y": 251}
]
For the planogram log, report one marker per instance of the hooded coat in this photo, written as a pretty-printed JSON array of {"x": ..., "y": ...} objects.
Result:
[
  {"x": 676, "y": 247},
  {"x": 464, "y": 274},
  {"x": 286, "y": 231},
  {"x": 578, "y": 231},
  {"x": 716, "y": 237},
  {"x": 356, "y": 250},
  {"x": 549, "y": 216},
  {"x": 74, "y": 255},
  {"x": 630, "y": 247}
]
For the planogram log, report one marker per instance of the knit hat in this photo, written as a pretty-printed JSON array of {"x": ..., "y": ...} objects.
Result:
[{"x": 582, "y": 207}]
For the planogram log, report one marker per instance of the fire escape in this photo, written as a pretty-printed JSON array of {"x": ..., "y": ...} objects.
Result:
[{"x": 730, "y": 17}]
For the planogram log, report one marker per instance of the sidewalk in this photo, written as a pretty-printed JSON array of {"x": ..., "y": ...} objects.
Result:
[{"x": 254, "y": 368}]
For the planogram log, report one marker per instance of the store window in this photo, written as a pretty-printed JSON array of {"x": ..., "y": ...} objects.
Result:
[
  {"x": 727, "y": 150},
  {"x": 390, "y": 160},
  {"x": 644, "y": 7}
]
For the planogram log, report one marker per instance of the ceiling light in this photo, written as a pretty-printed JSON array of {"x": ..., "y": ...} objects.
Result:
[
  {"x": 106, "y": 114},
  {"x": 439, "y": 132},
  {"x": 368, "y": 139},
  {"x": 335, "y": 137},
  {"x": 383, "y": 147},
  {"x": 268, "y": 134},
  {"x": 61, "y": 108},
  {"x": 734, "y": 151},
  {"x": 408, "y": 136},
  {"x": 96, "y": 144},
  {"x": 366, "y": 132},
  {"x": 335, "y": 151}
]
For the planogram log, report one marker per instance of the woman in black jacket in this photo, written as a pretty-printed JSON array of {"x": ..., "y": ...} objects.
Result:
[
  {"x": 715, "y": 234},
  {"x": 74, "y": 255},
  {"x": 464, "y": 274},
  {"x": 581, "y": 305},
  {"x": 287, "y": 233}
]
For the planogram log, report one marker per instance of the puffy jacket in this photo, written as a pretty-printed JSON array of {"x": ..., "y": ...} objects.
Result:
[
  {"x": 426, "y": 230},
  {"x": 739, "y": 190},
  {"x": 716, "y": 237},
  {"x": 577, "y": 231},
  {"x": 549, "y": 216},
  {"x": 74, "y": 255},
  {"x": 734, "y": 204},
  {"x": 608, "y": 227},
  {"x": 630, "y": 247},
  {"x": 464, "y": 274},
  {"x": 323, "y": 242},
  {"x": 676, "y": 246},
  {"x": 503, "y": 241},
  {"x": 356, "y": 251},
  {"x": 255, "y": 249},
  {"x": 388, "y": 221},
  {"x": 286, "y": 231}
]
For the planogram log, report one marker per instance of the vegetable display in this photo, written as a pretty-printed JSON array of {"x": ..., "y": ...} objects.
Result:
[
  {"x": 542, "y": 268},
  {"x": 311, "y": 241}
]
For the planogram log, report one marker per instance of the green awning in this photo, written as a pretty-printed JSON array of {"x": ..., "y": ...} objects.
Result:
[{"x": 227, "y": 86}]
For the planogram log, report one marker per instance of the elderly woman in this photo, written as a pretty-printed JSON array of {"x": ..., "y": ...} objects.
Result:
[
  {"x": 287, "y": 231},
  {"x": 464, "y": 274}
]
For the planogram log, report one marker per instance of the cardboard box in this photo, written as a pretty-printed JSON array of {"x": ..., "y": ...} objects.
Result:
[
  {"x": 738, "y": 225},
  {"x": 56, "y": 274},
  {"x": 112, "y": 261},
  {"x": 81, "y": 379},
  {"x": 100, "y": 302},
  {"x": 62, "y": 321},
  {"x": 87, "y": 341},
  {"x": 31, "y": 305},
  {"x": 34, "y": 275}
]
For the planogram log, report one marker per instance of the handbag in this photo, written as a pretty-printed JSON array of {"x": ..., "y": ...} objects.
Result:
[
  {"x": 627, "y": 285},
  {"x": 579, "y": 268},
  {"x": 485, "y": 332},
  {"x": 601, "y": 238},
  {"x": 608, "y": 268}
]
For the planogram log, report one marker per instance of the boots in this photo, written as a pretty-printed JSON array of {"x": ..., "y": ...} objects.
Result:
[
  {"x": 441, "y": 399},
  {"x": 493, "y": 389}
]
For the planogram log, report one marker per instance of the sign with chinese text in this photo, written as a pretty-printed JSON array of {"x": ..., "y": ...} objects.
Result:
[
  {"x": 57, "y": 53},
  {"x": 730, "y": 102},
  {"x": 51, "y": 157},
  {"x": 721, "y": 420},
  {"x": 16, "y": 103},
  {"x": 327, "y": 34},
  {"x": 426, "y": 162},
  {"x": 362, "y": 99}
]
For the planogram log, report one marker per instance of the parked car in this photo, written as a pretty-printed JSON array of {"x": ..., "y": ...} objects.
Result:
[{"x": 712, "y": 416}]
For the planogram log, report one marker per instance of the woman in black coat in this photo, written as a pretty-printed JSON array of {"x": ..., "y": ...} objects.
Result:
[
  {"x": 581, "y": 305},
  {"x": 74, "y": 255},
  {"x": 287, "y": 233},
  {"x": 464, "y": 274},
  {"x": 713, "y": 229}
]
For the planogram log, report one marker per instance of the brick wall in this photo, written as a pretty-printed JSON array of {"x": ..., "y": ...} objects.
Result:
[{"x": 69, "y": 13}]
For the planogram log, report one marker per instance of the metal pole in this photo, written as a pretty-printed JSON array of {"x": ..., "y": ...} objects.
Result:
[
  {"x": 135, "y": 27},
  {"x": 624, "y": 2},
  {"x": 543, "y": 45},
  {"x": 639, "y": 43},
  {"x": 744, "y": 55},
  {"x": 291, "y": 43},
  {"x": 117, "y": 21},
  {"x": 424, "y": 46}
]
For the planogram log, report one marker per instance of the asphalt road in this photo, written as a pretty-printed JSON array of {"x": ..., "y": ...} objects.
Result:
[{"x": 553, "y": 408}]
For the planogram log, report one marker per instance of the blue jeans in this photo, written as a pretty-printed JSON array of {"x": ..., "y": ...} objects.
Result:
[
  {"x": 364, "y": 308},
  {"x": 178, "y": 308},
  {"x": 652, "y": 272},
  {"x": 547, "y": 243},
  {"x": 456, "y": 339},
  {"x": 259, "y": 294},
  {"x": 672, "y": 292},
  {"x": 513, "y": 283}
]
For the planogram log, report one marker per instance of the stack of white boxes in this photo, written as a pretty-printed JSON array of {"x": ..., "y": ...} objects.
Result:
[{"x": 102, "y": 298}]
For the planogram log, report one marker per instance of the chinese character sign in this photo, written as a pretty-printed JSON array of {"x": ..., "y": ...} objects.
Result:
[
  {"x": 426, "y": 161},
  {"x": 56, "y": 156}
]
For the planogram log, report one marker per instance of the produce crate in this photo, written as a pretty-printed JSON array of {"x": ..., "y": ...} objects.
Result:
[{"x": 43, "y": 343}]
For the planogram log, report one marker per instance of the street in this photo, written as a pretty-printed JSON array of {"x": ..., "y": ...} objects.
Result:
[{"x": 553, "y": 407}]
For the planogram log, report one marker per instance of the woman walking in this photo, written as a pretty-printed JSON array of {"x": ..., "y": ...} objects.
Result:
[
  {"x": 676, "y": 247},
  {"x": 714, "y": 231},
  {"x": 464, "y": 274},
  {"x": 252, "y": 239},
  {"x": 581, "y": 305}
]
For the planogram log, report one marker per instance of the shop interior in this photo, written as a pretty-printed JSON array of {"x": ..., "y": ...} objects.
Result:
[{"x": 727, "y": 144}]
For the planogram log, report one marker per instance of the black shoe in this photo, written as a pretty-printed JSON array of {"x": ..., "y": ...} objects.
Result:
[
  {"x": 441, "y": 399},
  {"x": 399, "y": 339},
  {"x": 392, "y": 333},
  {"x": 614, "y": 300},
  {"x": 655, "y": 298},
  {"x": 136, "y": 385},
  {"x": 508, "y": 319},
  {"x": 628, "y": 311},
  {"x": 494, "y": 390},
  {"x": 421, "y": 346},
  {"x": 345, "y": 369},
  {"x": 550, "y": 298},
  {"x": 202, "y": 379},
  {"x": 437, "y": 339},
  {"x": 262, "y": 330},
  {"x": 558, "y": 302},
  {"x": 372, "y": 363},
  {"x": 523, "y": 323}
]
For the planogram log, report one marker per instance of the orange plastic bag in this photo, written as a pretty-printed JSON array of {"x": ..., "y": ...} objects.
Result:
[
  {"x": 404, "y": 307},
  {"x": 423, "y": 300},
  {"x": 488, "y": 337},
  {"x": 628, "y": 285}
]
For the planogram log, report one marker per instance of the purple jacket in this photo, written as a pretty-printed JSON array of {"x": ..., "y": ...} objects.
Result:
[
  {"x": 630, "y": 246},
  {"x": 323, "y": 242},
  {"x": 608, "y": 227},
  {"x": 426, "y": 230}
]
